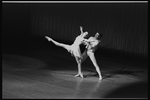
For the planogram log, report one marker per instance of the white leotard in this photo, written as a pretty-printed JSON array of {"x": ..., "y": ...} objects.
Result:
[{"x": 75, "y": 47}]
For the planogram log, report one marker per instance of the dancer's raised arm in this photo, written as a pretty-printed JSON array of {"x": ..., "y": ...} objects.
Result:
[
  {"x": 81, "y": 29},
  {"x": 85, "y": 41}
]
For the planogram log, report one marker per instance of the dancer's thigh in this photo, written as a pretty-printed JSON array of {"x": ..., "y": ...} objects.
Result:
[
  {"x": 84, "y": 56},
  {"x": 78, "y": 60},
  {"x": 92, "y": 57},
  {"x": 67, "y": 47}
]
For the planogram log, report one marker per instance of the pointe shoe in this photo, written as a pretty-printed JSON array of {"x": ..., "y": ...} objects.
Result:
[
  {"x": 76, "y": 75},
  {"x": 81, "y": 75},
  {"x": 48, "y": 38}
]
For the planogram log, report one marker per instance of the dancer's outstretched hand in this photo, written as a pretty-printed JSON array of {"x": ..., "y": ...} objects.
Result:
[
  {"x": 81, "y": 27},
  {"x": 48, "y": 38}
]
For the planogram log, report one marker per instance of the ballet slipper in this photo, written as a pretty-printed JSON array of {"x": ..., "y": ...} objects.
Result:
[
  {"x": 48, "y": 38},
  {"x": 76, "y": 75},
  {"x": 81, "y": 75}
]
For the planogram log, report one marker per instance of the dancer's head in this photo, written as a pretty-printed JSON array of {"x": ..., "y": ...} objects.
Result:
[{"x": 98, "y": 35}]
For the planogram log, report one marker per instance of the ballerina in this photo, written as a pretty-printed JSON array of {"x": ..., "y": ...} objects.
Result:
[{"x": 74, "y": 49}]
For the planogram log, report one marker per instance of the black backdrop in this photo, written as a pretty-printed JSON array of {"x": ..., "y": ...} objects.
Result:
[{"x": 124, "y": 26}]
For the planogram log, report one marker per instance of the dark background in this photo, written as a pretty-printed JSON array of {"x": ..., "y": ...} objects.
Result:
[
  {"x": 122, "y": 54},
  {"x": 124, "y": 26}
]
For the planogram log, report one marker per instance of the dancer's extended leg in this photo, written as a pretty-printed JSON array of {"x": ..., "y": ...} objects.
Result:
[
  {"x": 67, "y": 47},
  {"x": 92, "y": 57}
]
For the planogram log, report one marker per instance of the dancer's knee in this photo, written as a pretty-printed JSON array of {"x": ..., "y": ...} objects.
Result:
[{"x": 78, "y": 60}]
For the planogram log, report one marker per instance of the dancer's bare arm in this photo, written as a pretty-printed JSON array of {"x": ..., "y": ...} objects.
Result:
[
  {"x": 81, "y": 29},
  {"x": 95, "y": 43},
  {"x": 85, "y": 41},
  {"x": 92, "y": 44}
]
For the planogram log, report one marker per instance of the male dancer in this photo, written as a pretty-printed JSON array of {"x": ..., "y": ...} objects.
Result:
[{"x": 91, "y": 47}]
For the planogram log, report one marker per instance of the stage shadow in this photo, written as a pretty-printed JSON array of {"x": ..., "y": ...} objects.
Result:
[
  {"x": 138, "y": 89},
  {"x": 18, "y": 62},
  {"x": 135, "y": 90},
  {"x": 109, "y": 74}
]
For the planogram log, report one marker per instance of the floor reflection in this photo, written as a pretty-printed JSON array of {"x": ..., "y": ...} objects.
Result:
[{"x": 85, "y": 88}]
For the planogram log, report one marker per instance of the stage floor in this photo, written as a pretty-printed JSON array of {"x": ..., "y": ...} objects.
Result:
[{"x": 46, "y": 75}]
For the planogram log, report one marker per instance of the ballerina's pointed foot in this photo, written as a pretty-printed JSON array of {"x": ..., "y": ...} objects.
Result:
[
  {"x": 79, "y": 75},
  {"x": 48, "y": 38}
]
